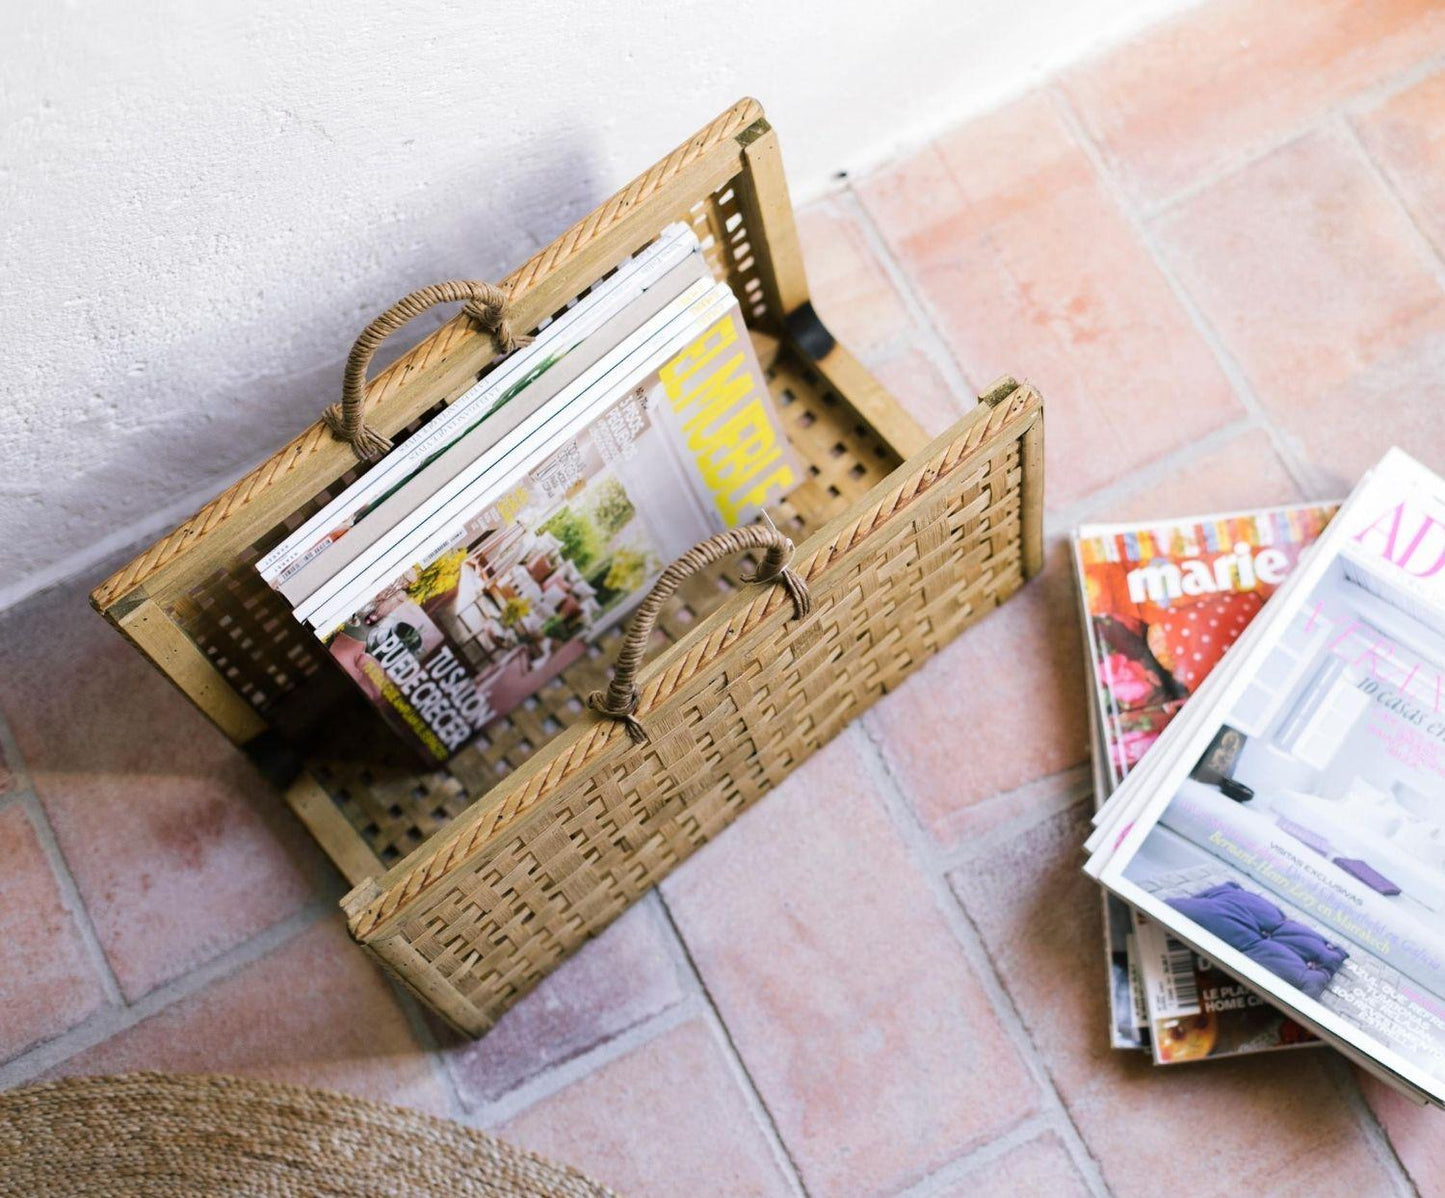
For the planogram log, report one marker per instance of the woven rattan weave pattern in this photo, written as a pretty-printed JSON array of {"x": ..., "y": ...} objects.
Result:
[
  {"x": 154, "y": 1135},
  {"x": 490, "y": 906},
  {"x": 376, "y": 787},
  {"x": 472, "y": 881}
]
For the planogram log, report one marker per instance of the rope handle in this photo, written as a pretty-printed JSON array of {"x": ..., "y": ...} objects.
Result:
[
  {"x": 485, "y": 304},
  {"x": 619, "y": 701}
]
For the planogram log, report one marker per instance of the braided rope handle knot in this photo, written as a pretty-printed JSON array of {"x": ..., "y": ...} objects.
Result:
[
  {"x": 619, "y": 701},
  {"x": 485, "y": 304}
]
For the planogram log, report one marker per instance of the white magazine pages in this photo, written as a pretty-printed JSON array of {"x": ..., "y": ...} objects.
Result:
[
  {"x": 519, "y": 399},
  {"x": 1290, "y": 824},
  {"x": 380, "y": 562},
  {"x": 572, "y": 330},
  {"x": 1128, "y": 1021}
]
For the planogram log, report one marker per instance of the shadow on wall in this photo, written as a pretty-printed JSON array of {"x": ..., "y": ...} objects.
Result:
[{"x": 194, "y": 414}]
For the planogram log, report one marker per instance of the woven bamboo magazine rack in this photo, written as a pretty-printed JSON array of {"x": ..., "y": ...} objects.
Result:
[{"x": 472, "y": 882}]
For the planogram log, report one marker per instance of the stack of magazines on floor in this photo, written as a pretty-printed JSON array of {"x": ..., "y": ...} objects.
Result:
[
  {"x": 1270, "y": 831},
  {"x": 480, "y": 557}
]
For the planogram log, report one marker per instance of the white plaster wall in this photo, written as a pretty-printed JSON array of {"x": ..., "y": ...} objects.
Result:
[{"x": 203, "y": 201}]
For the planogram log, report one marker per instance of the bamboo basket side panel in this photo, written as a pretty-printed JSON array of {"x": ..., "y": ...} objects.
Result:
[
  {"x": 1013, "y": 413},
  {"x": 247, "y": 630},
  {"x": 623, "y": 223},
  {"x": 393, "y": 809},
  {"x": 495, "y": 925},
  {"x": 244, "y": 627}
]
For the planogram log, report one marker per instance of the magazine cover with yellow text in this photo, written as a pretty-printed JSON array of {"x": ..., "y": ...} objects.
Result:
[{"x": 536, "y": 564}]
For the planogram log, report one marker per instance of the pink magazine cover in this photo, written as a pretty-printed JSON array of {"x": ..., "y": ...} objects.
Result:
[{"x": 1163, "y": 602}]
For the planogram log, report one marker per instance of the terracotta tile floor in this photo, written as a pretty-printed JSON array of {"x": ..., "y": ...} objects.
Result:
[{"x": 1218, "y": 251}]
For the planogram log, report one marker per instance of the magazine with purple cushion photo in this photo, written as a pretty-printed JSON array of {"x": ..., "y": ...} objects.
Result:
[{"x": 1309, "y": 859}]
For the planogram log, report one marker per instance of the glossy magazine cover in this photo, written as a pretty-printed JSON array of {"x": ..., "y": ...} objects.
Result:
[
  {"x": 1148, "y": 590},
  {"x": 542, "y": 562},
  {"x": 1293, "y": 829},
  {"x": 561, "y": 351},
  {"x": 1165, "y": 600}
]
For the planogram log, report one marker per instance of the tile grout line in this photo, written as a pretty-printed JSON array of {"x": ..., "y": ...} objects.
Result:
[
  {"x": 1069, "y": 787},
  {"x": 111, "y": 1021},
  {"x": 1348, "y": 1079},
  {"x": 27, "y": 796},
  {"x": 71, "y": 899},
  {"x": 11, "y": 759},
  {"x": 1231, "y": 169},
  {"x": 1423, "y": 242},
  {"x": 1301, "y": 471},
  {"x": 957, "y": 1170},
  {"x": 1366, "y": 99},
  {"x": 557, "y": 1077},
  {"x": 597, "y": 1048},
  {"x": 1382, "y": 91},
  {"x": 919, "y": 848},
  {"x": 553, "y": 1079},
  {"x": 1038, "y": 798},
  {"x": 761, "y": 1109},
  {"x": 467, "y": 1109},
  {"x": 1141, "y": 479},
  {"x": 935, "y": 345},
  {"x": 426, "y": 1040},
  {"x": 782, "y": 1156}
]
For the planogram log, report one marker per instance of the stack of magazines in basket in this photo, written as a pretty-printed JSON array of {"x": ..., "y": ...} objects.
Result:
[
  {"x": 1270, "y": 828},
  {"x": 481, "y": 556}
]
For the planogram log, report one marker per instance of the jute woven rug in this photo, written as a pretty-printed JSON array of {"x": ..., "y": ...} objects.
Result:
[{"x": 158, "y": 1134}]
